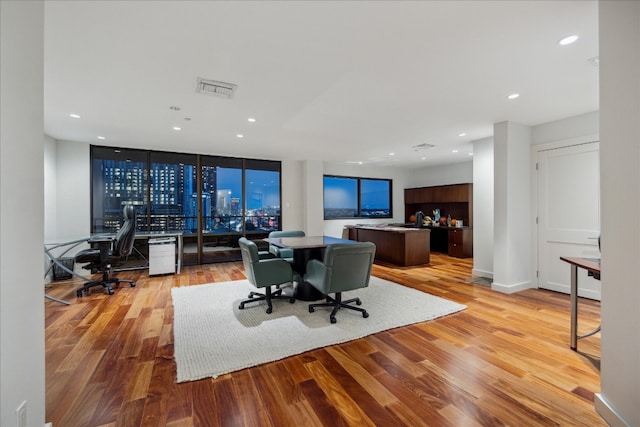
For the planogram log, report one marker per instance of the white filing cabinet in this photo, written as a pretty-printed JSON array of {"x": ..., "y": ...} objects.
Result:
[{"x": 162, "y": 255}]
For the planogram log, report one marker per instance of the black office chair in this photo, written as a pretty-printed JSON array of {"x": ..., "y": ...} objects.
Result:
[{"x": 107, "y": 252}]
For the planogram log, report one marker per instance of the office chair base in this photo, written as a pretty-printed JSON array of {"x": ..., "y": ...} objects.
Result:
[
  {"x": 337, "y": 304},
  {"x": 267, "y": 296},
  {"x": 106, "y": 283}
]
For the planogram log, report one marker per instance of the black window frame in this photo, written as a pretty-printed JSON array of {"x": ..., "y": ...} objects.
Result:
[
  {"x": 102, "y": 153},
  {"x": 359, "y": 208}
]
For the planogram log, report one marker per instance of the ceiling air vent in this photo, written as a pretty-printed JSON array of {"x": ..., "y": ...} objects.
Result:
[
  {"x": 424, "y": 146},
  {"x": 213, "y": 87}
]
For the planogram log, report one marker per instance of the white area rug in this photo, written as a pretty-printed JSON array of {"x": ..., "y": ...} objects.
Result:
[{"x": 213, "y": 337}]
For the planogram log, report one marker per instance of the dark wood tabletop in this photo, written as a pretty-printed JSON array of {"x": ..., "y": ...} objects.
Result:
[{"x": 589, "y": 264}]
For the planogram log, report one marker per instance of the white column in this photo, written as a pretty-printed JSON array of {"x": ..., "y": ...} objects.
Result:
[
  {"x": 22, "y": 358},
  {"x": 483, "y": 183},
  {"x": 313, "y": 197},
  {"x": 619, "y": 23},
  {"x": 512, "y": 187}
]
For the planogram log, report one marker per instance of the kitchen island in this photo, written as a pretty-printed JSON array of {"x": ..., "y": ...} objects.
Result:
[{"x": 396, "y": 245}]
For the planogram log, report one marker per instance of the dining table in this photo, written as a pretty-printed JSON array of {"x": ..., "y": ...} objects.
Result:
[{"x": 304, "y": 249}]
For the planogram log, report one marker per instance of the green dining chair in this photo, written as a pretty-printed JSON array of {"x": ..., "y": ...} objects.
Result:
[
  {"x": 264, "y": 273},
  {"x": 345, "y": 267}
]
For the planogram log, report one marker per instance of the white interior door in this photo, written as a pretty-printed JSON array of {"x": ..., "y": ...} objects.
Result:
[{"x": 568, "y": 215}]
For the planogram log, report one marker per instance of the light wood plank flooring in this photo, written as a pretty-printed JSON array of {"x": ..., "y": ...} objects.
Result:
[{"x": 505, "y": 360}]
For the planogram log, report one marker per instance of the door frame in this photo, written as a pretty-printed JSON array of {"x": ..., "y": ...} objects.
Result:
[{"x": 535, "y": 150}]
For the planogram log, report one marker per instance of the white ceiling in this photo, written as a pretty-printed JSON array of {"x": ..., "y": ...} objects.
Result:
[{"x": 337, "y": 81}]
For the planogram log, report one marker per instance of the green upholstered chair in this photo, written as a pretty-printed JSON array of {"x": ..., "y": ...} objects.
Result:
[
  {"x": 264, "y": 273},
  {"x": 345, "y": 267},
  {"x": 284, "y": 253}
]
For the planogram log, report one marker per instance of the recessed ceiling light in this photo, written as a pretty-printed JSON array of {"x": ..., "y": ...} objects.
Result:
[
  {"x": 101, "y": 137},
  {"x": 462, "y": 134},
  {"x": 75, "y": 116},
  {"x": 177, "y": 128},
  {"x": 471, "y": 154},
  {"x": 568, "y": 40},
  {"x": 423, "y": 158},
  {"x": 513, "y": 96},
  {"x": 454, "y": 151},
  {"x": 392, "y": 154},
  {"x": 251, "y": 120},
  {"x": 239, "y": 135}
]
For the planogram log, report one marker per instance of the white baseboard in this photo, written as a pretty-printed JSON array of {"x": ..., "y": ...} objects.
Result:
[
  {"x": 510, "y": 289},
  {"x": 482, "y": 273},
  {"x": 608, "y": 413}
]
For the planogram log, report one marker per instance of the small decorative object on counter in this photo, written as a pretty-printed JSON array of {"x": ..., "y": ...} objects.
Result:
[
  {"x": 436, "y": 215},
  {"x": 448, "y": 220}
]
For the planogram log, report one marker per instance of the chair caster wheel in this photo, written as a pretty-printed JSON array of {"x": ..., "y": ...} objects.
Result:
[
  {"x": 133, "y": 285},
  {"x": 292, "y": 300},
  {"x": 365, "y": 314},
  {"x": 79, "y": 294},
  {"x": 333, "y": 319},
  {"x": 269, "y": 310},
  {"x": 358, "y": 302},
  {"x": 110, "y": 291},
  {"x": 241, "y": 307},
  {"x": 311, "y": 310}
]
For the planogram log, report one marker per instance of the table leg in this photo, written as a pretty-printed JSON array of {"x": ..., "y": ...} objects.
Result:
[
  {"x": 305, "y": 291},
  {"x": 574, "y": 307},
  {"x": 180, "y": 252}
]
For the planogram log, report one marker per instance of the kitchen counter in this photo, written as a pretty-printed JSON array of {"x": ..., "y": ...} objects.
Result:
[{"x": 399, "y": 245}]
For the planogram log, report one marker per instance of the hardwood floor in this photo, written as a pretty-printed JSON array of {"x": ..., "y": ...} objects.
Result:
[{"x": 505, "y": 360}]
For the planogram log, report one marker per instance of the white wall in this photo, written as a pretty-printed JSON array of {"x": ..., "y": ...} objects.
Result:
[
  {"x": 22, "y": 356},
  {"x": 455, "y": 173},
  {"x": 620, "y": 183},
  {"x": 73, "y": 196},
  {"x": 50, "y": 188},
  {"x": 483, "y": 207},
  {"x": 558, "y": 133},
  {"x": 312, "y": 198},
  {"x": 565, "y": 129},
  {"x": 292, "y": 208}
]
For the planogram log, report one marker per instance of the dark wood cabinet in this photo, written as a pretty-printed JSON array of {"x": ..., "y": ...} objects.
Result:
[
  {"x": 460, "y": 242},
  {"x": 456, "y": 242},
  {"x": 455, "y": 200}
]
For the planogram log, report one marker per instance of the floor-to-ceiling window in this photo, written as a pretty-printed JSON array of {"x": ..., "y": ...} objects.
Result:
[
  {"x": 213, "y": 200},
  {"x": 118, "y": 177},
  {"x": 173, "y": 192},
  {"x": 262, "y": 196},
  {"x": 222, "y": 214}
]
